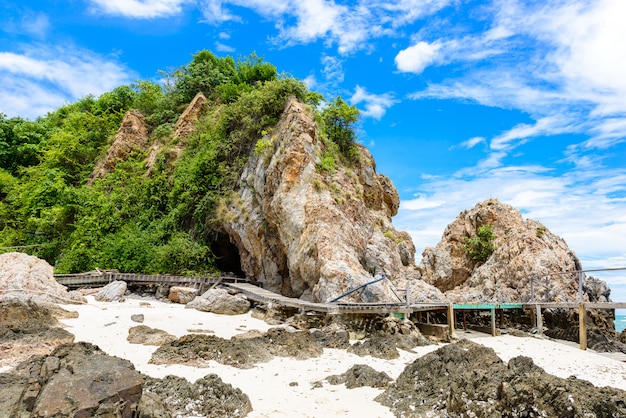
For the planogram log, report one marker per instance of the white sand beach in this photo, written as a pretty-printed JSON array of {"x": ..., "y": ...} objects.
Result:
[{"x": 283, "y": 386}]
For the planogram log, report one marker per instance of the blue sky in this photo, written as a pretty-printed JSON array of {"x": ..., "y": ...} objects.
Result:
[{"x": 523, "y": 101}]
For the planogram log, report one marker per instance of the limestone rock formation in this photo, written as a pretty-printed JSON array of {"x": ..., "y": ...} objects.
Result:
[
  {"x": 528, "y": 263},
  {"x": 310, "y": 234},
  {"x": 132, "y": 136},
  {"x": 177, "y": 141},
  {"x": 24, "y": 277}
]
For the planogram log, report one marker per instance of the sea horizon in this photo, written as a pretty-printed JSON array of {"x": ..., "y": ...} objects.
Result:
[{"x": 620, "y": 323}]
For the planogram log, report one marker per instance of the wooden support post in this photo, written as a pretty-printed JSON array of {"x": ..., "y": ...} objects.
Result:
[
  {"x": 493, "y": 322},
  {"x": 582, "y": 326},
  {"x": 464, "y": 321},
  {"x": 451, "y": 319},
  {"x": 539, "y": 319},
  {"x": 501, "y": 318}
]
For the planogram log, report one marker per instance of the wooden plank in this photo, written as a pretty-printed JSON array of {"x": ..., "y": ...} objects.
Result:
[
  {"x": 582, "y": 326},
  {"x": 451, "y": 319}
]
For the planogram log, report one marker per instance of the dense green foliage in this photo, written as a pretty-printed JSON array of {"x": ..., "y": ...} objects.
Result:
[
  {"x": 127, "y": 220},
  {"x": 480, "y": 246}
]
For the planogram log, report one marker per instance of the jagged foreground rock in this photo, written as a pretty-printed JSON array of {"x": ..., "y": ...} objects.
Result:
[
  {"x": 525, "y": 251},
  {"x": 311, "y": 235},
  {"x": 466, "y": 379}
]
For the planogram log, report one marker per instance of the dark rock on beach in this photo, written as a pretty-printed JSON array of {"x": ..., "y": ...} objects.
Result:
[
  {"x": 196, "y": 350},
  {"x": 75, "y": 380},
  {"x": 360, "y": 375},
  {"x": 468, "y": 379},
  {"x": 207, "y": 397}
]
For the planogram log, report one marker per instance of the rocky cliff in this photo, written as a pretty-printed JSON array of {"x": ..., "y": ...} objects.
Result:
[
  {"x": 307, "y": 233},
  {"x": 528, "y": 261}
]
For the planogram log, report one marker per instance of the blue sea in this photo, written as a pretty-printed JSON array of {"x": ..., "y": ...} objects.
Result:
[{"x": 620, "y": 323}]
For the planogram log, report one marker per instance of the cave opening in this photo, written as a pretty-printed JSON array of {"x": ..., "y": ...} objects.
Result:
[{"x": 227, "y": 257}]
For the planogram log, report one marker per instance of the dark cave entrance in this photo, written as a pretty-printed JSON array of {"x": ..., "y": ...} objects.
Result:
[{"x": 226, "y": 254}]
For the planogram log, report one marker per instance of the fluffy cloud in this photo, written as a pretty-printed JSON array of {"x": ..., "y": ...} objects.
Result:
[
  {"x": 54, "y": 76},
  {"x": 375, "y": 104},
  {"x": 139, "y": 9},
  {"x": 416, "y": 58}
]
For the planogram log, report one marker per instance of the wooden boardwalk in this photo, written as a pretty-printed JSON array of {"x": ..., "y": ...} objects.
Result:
[{"x": 255, "y": 293}]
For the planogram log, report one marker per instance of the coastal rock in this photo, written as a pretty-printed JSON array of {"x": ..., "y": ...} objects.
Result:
[
  {"x": 182, "y": 294},
  {"x": 360, "y": 375},
  {"x": 207, "y": 397},
  {"x": 528, "y": 262},
  {"x": 142, "y": 334},
  {"x": 76, "y": 380},
  {"x": 309, "y": 233},
  {"x": 219, "y": 301},
  {"x": 27, "y": 328},
  {"x": 468, "y": 379},
  {"x": 113, "y": 292},
  {"x": 27, "y": 278},
  {"x": 196, "y": 350}
]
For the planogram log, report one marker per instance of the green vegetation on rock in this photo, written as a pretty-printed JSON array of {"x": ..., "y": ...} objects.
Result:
[
  {"x": 480, "y": 246},
  {"x": 164, "y": 220}
]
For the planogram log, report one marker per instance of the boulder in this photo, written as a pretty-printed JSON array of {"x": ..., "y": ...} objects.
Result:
[
  {"x": 137, "y": 318},
  {"x": 361, "y": 375},
  {"x": 75, "y": 380},
  {"x": 219, "y": 301},
  {"x": 181, "y": 294},
  {"x": 113, "y": 292},
  {"x": 142, "y": 334},
  {"x": 25, "y": 277}
]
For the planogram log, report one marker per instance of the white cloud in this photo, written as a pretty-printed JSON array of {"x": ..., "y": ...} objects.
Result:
[
  {"x": 42, "y": 78},
  {"x": 222, "y": 47},
  {"x": 333, "y": 69},
  {"x": 140, "y": 9},
  {"x": 416, "y": 58},
  {"x": 31, "y": 23},
  {"x": 375, "y": 104},
  {"x": 472, "y": 142},
  {"x": 582, "y": 206}
]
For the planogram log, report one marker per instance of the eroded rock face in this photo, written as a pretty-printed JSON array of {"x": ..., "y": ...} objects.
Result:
[
  {"x": 525, "y": 252},
  {"x": 468, "y": 379},
  {"x": 132, "y": 136},
  {"x": 310, "y": 234}
]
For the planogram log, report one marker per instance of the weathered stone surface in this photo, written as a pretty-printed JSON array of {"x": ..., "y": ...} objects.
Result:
[
  {"x": 137, "y": 318},
  {"x": 525, "y": 251},
  {"x": 131, "y": 137},
  {"x": 75, "y": 380},
  {"x": 113, "y": 292},
  {"x": 181, "y": 294},
  {"x": 360, "y": 375},
  {"x": 468, "y": 379},
  {"x": 25, "y": 277},
  {"x": 27, "y": 328},
  {"x": 207, "y": 397},
  {"x": 311, "y": 234},
  {"x": 196, "y": 350},
  {"x": 142, "y": 334},
  {"x": 219, "y": 301}
]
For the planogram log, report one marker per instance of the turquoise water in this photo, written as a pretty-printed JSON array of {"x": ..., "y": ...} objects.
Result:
[{"x": 620, "y": 322}]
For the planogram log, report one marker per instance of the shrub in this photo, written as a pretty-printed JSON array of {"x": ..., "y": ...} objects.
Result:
[{"x": 480, "y": 247}]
